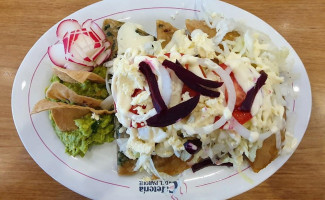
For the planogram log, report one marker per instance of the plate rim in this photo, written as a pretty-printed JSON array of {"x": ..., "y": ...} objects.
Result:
[{"x": 15, "y": 85}]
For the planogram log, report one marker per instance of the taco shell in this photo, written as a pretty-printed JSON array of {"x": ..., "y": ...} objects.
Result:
[
  {"x": 73, "y": 76},
  {"x": 58, "y": 91},
  {"x": 65, "y": 114}
]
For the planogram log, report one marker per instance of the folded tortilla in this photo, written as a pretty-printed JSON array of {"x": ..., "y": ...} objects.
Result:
[
  {"x": 165, "y": 32},
  {"x": 58, "y": 91},
  {"x": 73, "y": 76},
  {"x": 65, "y": 114},
  {"x": 191, "y": 25}
]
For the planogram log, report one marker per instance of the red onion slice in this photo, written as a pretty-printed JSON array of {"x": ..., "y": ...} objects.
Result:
[
  {"x": 173, "y": 114},
  {"x": 157, "y": 100},
  {"x": 65, "y": 26},
  {"x": 248, "y": 101},
  {"x": 193, "y": 146}
]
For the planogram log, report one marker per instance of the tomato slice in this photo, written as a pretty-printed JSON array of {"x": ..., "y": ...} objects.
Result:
[
  {"x": 191, "y": 92},
  {"x": 242, "y": 117},
  {"x": 240, "y": 93}
]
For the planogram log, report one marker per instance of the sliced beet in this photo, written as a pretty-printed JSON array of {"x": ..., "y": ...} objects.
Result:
[
  {"x": 193, "y": 146},
  {"x": 173, "y": 114},
  {"x": 156, "y": 97},
  {"x": 248, "y": 101},
  {"x": 193, "y": 81},
  {"x": 206, "y": 163}
]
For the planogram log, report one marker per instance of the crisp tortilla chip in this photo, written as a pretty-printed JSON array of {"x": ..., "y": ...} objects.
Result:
[
  {"x": 58, "y": 91},
  {"x": 165, "y": 32},
  {"x": 64, "y": 114},
  {"x": 267, "y": 153},
  {"x": 64, "y": 117},
  {"x": 127, "y": 167},
  {"x": 191, "y": 25},
  {"x": 45, "y": 104},
  {"x": 171, "y": 165},
  {"x": 73, "y": 76},
  {"x": 111, "y": 27}
]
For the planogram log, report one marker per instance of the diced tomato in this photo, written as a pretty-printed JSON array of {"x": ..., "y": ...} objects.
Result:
[
  {"x": 133, "y": 109},
  {"x": 191, "y": 92},
  {"x": 202, "y": 71},
  {"x": 186, "y": 66},
  {"x": 151, "y": 56},
  {"x": 136, "y": 92},
  {"x": 167, "y": 54},
  {"x": 138, "y": 125},
  {"x": 242, "y": 117}
]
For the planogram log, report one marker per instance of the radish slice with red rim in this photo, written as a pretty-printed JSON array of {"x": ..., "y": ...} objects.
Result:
[
  {"x": 87, "y": 23},
  {"x": 65, "y": 26},
  {"x": 77, "y": 67},
  {"x": 97, "y": 30},
  {"x": 56, "y": 54}
]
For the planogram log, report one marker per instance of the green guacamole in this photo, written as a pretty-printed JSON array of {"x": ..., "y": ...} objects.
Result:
[
  {"x": 89, "y": 132},
  {"x": 88, "y": 88}
]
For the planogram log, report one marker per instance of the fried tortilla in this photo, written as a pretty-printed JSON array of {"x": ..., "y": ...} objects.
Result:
[
  {"x": 267, "y": 153},
  {"x": 111, "y": 28},
  {"x": 73, "y": 76},
  {"x": 191, "y": 25},
  {"x": 58, "y": 91},
  {"x": 64, "y": 117},
  {"x": 64, "y": 114},
  {"x": 171, "y": 165},
  {"x": 165, "y": 32}
]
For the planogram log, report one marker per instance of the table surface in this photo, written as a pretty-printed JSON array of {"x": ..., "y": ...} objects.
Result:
[{"x": 300, "y": 22}]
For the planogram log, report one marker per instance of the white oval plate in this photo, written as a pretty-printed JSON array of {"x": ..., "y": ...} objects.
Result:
[{"x": 95, "y": 176}]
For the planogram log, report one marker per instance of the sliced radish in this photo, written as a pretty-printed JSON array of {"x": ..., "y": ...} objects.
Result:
[
  {"x": 83, "y": 46},
  {"x": 78, "y": 56},
  {"x": 94, "y": 57},
  {"x": 56, "y": 54},
  {"x": 97, "y": 30},
  {"x": 74, "y": 66},
  {"x": 87, "y": 23},
  {"x": 107, "y": 44},
  {"x": 103, "y": 57},
  {"x": 65, "y": 26}
]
